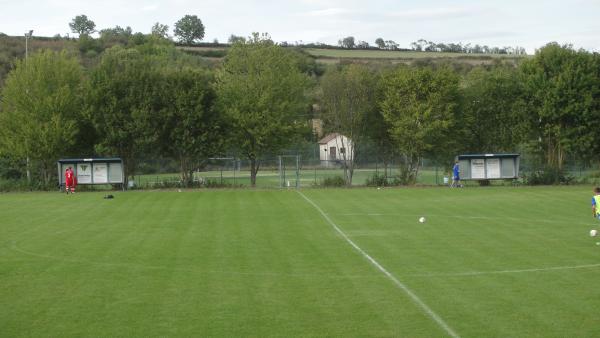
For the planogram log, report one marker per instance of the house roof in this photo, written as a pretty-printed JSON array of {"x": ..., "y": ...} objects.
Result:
[{"x": 328, "y": 138}]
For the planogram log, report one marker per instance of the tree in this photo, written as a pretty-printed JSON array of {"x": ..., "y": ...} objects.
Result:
[
  {"x": 236, "y": 39},
  {"x": 115, "y": 36},
  {"x": 190, "y": 128},
  {"x": 378, "y": 131},
  {"x": 347, "y": 100},
  {"x": 124, "y": 97},
  {"x": 492, "y": 115},
  {"x": 41, "y": 107},
  {"x": 562, "y": 89},
  {"x": 420, "y": 106},
  {"x": 362, "y": 45},
  {"x": 160, "y": 30},
  {"x": 261, "y": 91},
  {"x": 82, "y": 25},
  {"x": 347, "y": 42},
  {"x": 380, "y": 43},
  {"x": 391, "y": 45},
  {"x": 189, "y": 29}
]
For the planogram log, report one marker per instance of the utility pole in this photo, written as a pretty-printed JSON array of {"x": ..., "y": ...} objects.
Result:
[{"x": 27, "y": 37}]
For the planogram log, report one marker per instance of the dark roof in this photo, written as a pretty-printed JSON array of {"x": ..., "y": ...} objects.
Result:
[
  {"x": 328, "y": 138},
  {"x": 91, "y": 159},
  {"x": 470, "y": 156}
]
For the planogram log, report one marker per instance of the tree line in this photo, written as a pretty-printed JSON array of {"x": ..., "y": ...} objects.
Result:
[
  {"x": 430, "y": 46},
  {"x": 423, "y": 45},
  {"x": 546, "y": 106},
  {"x": 190, "y": 30},
  {"x": 153, "y": 100}
]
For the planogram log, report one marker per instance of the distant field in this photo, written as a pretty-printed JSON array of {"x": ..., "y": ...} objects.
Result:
[
  {"x": 202, "y": 48},
  {"x": 488, "y": 262},
  {"x": 375, "y": 54},
  {"x": 325, "y": 54}
]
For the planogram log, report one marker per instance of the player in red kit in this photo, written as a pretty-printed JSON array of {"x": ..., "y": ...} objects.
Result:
[{"x": 69, "y": 180}]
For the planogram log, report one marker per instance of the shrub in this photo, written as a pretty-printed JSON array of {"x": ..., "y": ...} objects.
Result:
[
  {"x": 23, "y": 185},
  {"x": 216, "y": 183},
  {"x": 334, "y": 181},
  {"x": 378, "y": 180},
  {"x": 548, "y": 176}
]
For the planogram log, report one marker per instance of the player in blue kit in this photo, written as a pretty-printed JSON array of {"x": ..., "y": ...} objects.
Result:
[{"x": 456, "y": 175}]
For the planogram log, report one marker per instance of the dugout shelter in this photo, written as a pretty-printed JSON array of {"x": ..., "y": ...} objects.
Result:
[
  {"x": 92, "y": 171},
  {"x": 480, "y": 167}
]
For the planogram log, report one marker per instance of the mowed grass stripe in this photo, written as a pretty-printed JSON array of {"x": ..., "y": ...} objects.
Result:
[
  {"x": 434, "y": 316},
  {"x": 515, "y": 234},
  {"x": 213, "y": 263}
]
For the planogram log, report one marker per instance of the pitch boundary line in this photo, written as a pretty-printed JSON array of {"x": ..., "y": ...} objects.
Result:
[
  {"x": 397, "y": 282},
  {"x": 458, "y": 216},
  {"x": 497, "y": 272}
]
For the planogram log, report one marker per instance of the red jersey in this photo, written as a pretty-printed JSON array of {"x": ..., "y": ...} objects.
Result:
[{"x": 69, "y": 177}]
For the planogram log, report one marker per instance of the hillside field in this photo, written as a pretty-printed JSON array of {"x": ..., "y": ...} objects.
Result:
[
  {"x": 332, "y": 55},
  {"x": 382, "y": 54}
]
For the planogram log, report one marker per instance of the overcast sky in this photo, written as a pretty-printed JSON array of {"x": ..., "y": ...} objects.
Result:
[{"x": 529, "y": 24}]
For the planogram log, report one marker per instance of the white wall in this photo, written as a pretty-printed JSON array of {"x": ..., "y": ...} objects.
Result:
[{"x": 338, "y": 143}]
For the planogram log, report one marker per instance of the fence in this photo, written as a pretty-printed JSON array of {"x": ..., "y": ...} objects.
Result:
[
  {"x": 293, "y": 171},
  {"x": 279, "y": 172}
]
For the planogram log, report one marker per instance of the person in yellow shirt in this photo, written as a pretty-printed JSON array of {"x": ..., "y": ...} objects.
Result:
[{"x": 596, "y": 203}]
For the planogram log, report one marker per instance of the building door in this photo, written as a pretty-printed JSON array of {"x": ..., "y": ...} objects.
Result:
[{"x": 332, "y": 153}]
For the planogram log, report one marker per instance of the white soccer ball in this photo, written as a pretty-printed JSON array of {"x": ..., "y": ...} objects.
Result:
[
  {"x": 422, "y": 219},
  {"x": 593, "y": 232}
]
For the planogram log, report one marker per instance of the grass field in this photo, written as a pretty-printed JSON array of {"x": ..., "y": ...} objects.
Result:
[{"x": 488, "y": 262}]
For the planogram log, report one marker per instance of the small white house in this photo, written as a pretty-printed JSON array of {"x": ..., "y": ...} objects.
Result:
[{"x": 335, "y": 148}]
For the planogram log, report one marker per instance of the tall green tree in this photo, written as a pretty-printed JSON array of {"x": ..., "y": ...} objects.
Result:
[
  {"x": 347, "y": 42},
  {"x": 561, "y": 92},
  {"x": 378, "y": 131},
  {"x": 189, "y": 29},
  {"x": 82, "y": 25},
  {"x": 41, "y": 109},
  {"x": 348, "y": 98},
  {"x": 262, "y": 92},
  {"x": 493, "y": 115},
  {"x": 589, "y": 145},
  {"x": 190, "y": 129},
  {"x": 420, "y": 105},
  {"x": 161, "y": 31},
  {"x": 124, "y": 96}
]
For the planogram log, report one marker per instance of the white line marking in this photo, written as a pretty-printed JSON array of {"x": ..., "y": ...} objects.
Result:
[
  {"x": 467, "y": 217},
  {"x": 478, "y": 273},
  {"x": 399, "y": 284}
]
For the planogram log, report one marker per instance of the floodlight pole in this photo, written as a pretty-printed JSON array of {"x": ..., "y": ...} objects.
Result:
[{"x": 27, "y": 37}]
